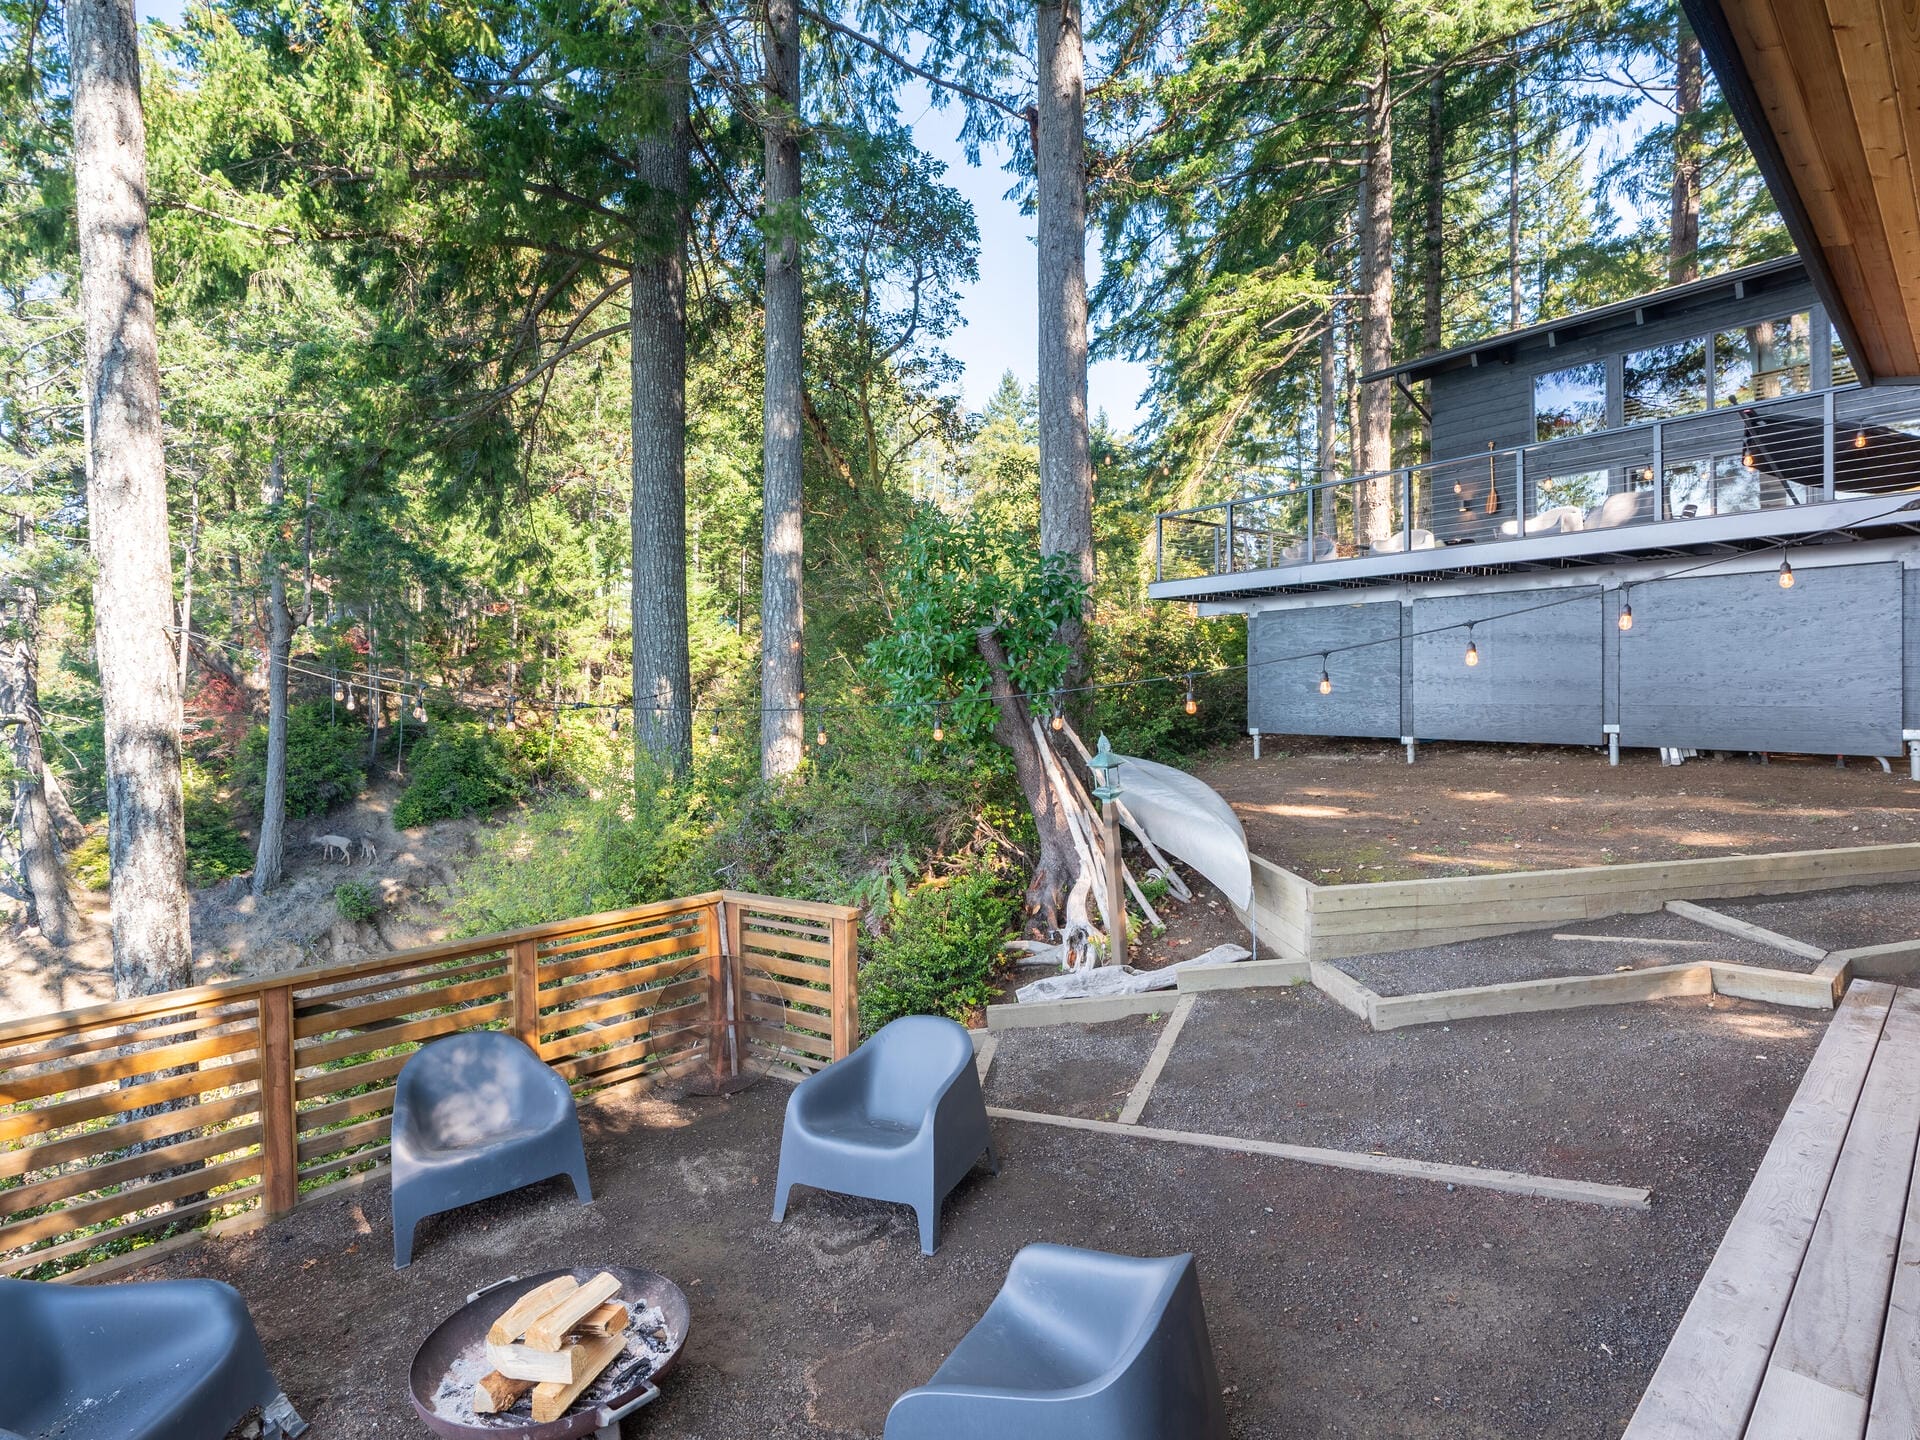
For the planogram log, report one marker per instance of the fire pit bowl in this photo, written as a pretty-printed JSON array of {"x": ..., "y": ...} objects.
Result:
[{"x": 453, "y": 1358}]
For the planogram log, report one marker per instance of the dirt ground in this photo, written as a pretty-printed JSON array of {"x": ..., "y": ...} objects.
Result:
[
  {"x": 1340, "y": 1304},
  {"x": 297, "y": 924},
  {"x": 1341, "y": 811}
]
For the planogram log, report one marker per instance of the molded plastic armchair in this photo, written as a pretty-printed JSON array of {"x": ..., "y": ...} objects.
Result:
[
  {"x": 901, "y": 1118},
  {"x": 166, "y": 1360},
  {"x": 1078, "y": 1345},
  {"x": 476, "y": 1115}
]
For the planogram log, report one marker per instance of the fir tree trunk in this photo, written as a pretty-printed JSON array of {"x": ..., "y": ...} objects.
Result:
[
  {"x": 662, "y": 684},
  {"x": 186, "y": 589},
  {"x": 782, "y": 617},
  {"x": 1060, "y": 166},
  {"x": 1058, "y": 864},
  {"x": 1373, "y": 520},
  {"x": 42, "y": 881},
  {"x": 1433, "y": 260},
  {"x": 269, "y": 859},
  {"x": 1683, "y": 230},
  {"x": 1326, "y": 425},
  {"x": 127, "y": 504}
]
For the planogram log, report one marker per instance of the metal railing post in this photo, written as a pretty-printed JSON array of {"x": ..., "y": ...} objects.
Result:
[
  {"x": 1406, "y": 510},
  {"x": 1520, "y": 490},
  {"x": 1826, "y": 446},
  {"x": 1313, "y": 524},
  {"x": 1232, "y": 545},
  {"x": 1159, "y": 547},
  {"x": 1659, "y": 471}
]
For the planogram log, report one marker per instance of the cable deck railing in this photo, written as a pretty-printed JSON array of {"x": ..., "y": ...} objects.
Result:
[{"x": 1799, "y": 450}]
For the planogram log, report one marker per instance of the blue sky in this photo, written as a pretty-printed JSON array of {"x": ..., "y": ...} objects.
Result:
[{"x": 1000, "y": 332}]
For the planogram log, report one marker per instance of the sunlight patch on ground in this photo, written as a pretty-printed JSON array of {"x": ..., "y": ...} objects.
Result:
[{"x": 1303, "y": 812}]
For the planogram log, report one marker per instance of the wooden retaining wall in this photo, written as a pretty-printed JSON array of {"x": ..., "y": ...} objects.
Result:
[
  {"x": 173, "y": 1110},
  {"x": 1304, "y": 921}
]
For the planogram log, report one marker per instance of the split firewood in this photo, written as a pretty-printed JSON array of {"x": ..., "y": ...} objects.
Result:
[
  {"x": 550, "y": 1401},
  {"x": 610, "y": 1319},
  {"x": 529, "y": 1308},
  {"x": 524, "y": 1362},
  {"x": 549, "y": 1332},
  {"x": 496, "y": 1393}
]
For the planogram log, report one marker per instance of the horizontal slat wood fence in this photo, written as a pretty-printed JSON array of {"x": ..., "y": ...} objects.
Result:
[{"x": 159, "y": 1114}]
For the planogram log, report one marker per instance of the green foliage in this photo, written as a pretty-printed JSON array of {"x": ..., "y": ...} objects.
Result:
[
  {"x": 355, "y": 901},
  {"x": 459, "y": 769},
  {"x": 1152, "y": 720},
  {"x": 87, "y": 865},
  {"x": 953, "y": 579},
  {"x": 939, "y": 955},
  {"x": 573, "y": 755},
  {"x": 325, "y": 758}
]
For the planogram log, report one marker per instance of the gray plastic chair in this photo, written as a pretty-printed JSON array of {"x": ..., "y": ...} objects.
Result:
[
  {"x": 476, "y": 1115},
  {"x": 901, "y": 1118},
  {"x": 162, "y": 1360},
  {"x": 1078, "y": 1345}
]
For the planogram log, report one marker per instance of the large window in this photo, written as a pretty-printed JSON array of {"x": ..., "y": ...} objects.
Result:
[
  {"x": 1666, "y": 380},
  {"x": 1843, "y": 371},
  {"x": 1570, "y": 402},
  {"x": 1763, "y": 360}
]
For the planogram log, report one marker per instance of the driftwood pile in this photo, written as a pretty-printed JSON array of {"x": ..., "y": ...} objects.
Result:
[
  {"x": 554, "y": 1341},
  {"x": 1076, "y": 948}
]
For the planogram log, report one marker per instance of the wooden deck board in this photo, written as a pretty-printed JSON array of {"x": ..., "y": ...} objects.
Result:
[{"x": 1706, "y": 1383}]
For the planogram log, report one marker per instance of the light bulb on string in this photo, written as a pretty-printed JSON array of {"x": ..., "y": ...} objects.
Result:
[
  {"x": 820, "y": 739},
  {"x": 1193, "y": 705},
  {"x": 1473, "y": 650},
  {"x": 1786, "y": 574},
  {"x": 1626, "y": 617},
  {"x": 1059, "y": 721},
  {"x": 352, "y": 704},
  {"x": 939, "y": 730},
  {"x": 1326, "y": 680},
  {"x": 1860, "y": 440}
]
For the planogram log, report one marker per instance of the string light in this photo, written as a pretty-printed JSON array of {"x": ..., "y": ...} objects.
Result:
[
  {"x": 821, "y": 738},
  {"x": 1626, "y": 607},
  {"x": 1786, "y": 572},
  {"x": 1193, "y": 705},
  {"x": 1326, "y": 680},
  {"x": 1473, "y": 650},
  {"x": 939, "y": 730},
  {"x": 1860, "y": 440},
  {"x": 1059, "y": 721}
]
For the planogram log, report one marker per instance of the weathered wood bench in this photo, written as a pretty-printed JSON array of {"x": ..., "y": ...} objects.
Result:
[{"x": 1807, "y": 1323}]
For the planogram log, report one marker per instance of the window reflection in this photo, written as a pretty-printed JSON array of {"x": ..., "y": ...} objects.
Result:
[
  {"x": 1764, "y": 360},
  {"x": 1666, "y": 380},
  {"x": 1570, "y": 402}
]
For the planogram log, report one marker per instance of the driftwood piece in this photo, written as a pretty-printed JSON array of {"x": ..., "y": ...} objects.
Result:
[{"x": 1174, "y": 883}]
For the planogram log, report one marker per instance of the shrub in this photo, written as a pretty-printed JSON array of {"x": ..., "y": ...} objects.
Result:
[
  {"x": 571, "y": 756},
  {"x": 939, "y": 955},
  {"x": 355, "y": 901},
  {"x": 87, "y": 864},
  {"x": 459, "y": 769},
  {"x": 325, "y": 761},
  {"x": 215, "y": 848}
]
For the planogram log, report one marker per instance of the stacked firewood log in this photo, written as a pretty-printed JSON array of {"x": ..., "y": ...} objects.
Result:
[{"x": 554, "y": 1341}]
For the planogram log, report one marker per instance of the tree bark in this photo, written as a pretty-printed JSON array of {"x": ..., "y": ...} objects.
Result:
[
  {"x": 1058, "y": 864},
  {"x": 1513, "y": 204},
  {"x": 1060, "y": 203},
  {"x": 1433, "y": 260},
  {"x": 44, "y": 883},
  {"x": 127, "y": 504},
  {"x": 269, "y": 858},
  {"x": 1683, "y": 229},
  {"x": 782, "y": 616},
  {"x": 186, "y": 589},
  {"x": 662, "y": 676},
  {"x": 1373, "y": 519}
]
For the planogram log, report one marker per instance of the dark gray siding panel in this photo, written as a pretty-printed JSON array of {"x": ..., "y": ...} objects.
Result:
[
  {"x": 1910, "y": 644},
  {"x": 1538, "y": 679},
  {"x": 1733, "y": 662},
  {"x": 1284, "y": 698},
  {"x": 1472, "y": 407}
]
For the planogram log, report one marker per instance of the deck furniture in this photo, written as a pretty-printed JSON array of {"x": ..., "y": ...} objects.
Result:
[
  {"x": 1807, "y": 1323},
  {"x": 1397, "y": 543},
  {"x": 902, "y": 1119},
  {"x": 1078, "y": 1345},
  {"x": 172, "y": 1360},
  {"x": 476, "y": 1115}
]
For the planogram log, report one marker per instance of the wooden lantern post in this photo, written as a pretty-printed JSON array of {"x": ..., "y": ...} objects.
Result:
[{"x": 1103, "y": 764}]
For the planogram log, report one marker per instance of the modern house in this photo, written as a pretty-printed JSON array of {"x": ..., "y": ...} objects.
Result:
[{"x": 1678, "y": 521}]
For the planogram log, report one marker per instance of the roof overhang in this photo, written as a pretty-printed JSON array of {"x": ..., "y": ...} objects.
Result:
[{"x": 1827, "y": 93}]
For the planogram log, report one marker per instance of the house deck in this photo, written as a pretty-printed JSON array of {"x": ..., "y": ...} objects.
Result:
[{"x": 1807, "y": 1323}]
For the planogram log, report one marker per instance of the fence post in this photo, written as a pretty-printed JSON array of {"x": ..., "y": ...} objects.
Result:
[
  {"x": 719, "y": 1053},
  {"x": 279, "y": 1126},
  {"x": 526, "y": 993},
  {"x": 845, "y": 980}
]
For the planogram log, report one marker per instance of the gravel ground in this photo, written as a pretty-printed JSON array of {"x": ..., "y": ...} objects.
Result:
[
  {"x": 1535, "y": 954},
  {"x": 1834, "y": 919},
  {"x": 1340, "y": 1305},
  {"x": 1082, "y": 1070},
  {"x": 1674, "y": 1095}
]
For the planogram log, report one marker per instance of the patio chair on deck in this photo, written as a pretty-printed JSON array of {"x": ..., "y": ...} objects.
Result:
[
  {"x": 1078, "y": 1345},
  {"x": 165, "y": 1360},
  {"x": 901, "y": 1118},
  {"x": 476, "y": 1115}
]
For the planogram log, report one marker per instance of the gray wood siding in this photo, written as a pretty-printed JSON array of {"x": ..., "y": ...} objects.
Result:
[
  {"x": 1539, "y": 676},
  {"x": 1284, "y": 698},
  {"x": 1733, "y": 662},
  {"x": 1910, "y": 645},
  {"x": 1495, "y": 401}
]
